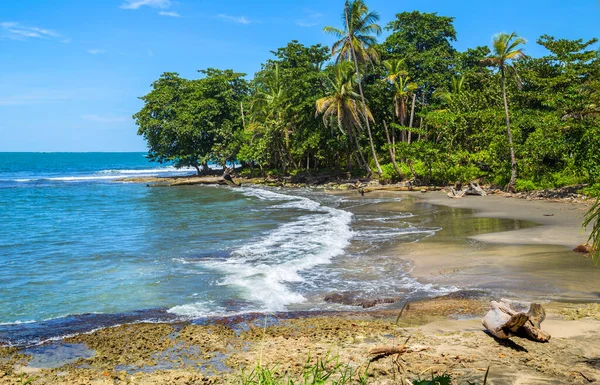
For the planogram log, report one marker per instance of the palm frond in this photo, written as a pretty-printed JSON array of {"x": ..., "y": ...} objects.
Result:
[
  {"x": 593, "y": 217},
  {"x": 334, "y": 31}
]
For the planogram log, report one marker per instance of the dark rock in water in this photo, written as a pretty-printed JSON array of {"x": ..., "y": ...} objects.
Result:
[
  {"x": 585, "y": 248},
  {"x": 352, "y": 298}
]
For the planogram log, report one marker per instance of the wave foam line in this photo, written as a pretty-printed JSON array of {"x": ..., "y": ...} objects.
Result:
[{"x": 264, "y": 267}]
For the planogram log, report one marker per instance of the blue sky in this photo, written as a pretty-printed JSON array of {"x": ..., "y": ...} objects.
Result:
[{"x": 71, "y": 70}]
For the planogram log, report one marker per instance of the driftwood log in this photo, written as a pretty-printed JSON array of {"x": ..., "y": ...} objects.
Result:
[
  {"x": 459, "y": 192},
  {"x": 456, "y": 193},
  {"x": 475, "y": 189},
  {"x": 508, "y": 318}
]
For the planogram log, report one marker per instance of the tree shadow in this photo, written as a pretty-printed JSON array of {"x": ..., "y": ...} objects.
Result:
[{"x": 593, "y": 362}]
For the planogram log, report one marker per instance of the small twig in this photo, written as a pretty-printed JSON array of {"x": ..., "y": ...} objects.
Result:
[
  {"x": 486, "y": 375},
  {"x": 586, "y": 377},
  {"x": 404, "y": 307}
]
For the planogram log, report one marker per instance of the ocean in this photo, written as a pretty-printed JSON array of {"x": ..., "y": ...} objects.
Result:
[{"x": 80, "y": 250}]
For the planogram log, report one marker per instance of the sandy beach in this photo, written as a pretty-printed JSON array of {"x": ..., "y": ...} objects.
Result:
[{"x": 441, "y": 335}]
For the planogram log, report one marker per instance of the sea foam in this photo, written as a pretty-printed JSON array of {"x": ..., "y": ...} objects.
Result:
[{"x": 263, "y": 268}]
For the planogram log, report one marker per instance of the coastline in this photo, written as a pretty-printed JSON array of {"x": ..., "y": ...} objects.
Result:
[
  {"x": 534, "y": 260},
  {"x": 441, "y": 336},
  {"x": 446, "y": 335}
]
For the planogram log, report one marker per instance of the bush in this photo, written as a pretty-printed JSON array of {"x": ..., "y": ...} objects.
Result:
[
  {"x": 389, "y": 174},
  {"x": 592, "y": 191},
  {"x": 525, "y": 185}
]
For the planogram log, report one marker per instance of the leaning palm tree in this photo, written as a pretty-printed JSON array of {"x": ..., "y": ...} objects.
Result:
[
  {"x": 344, "y": 107},
  {"x": 356, "y": 43},
  {"x": 505, "y": 50}
]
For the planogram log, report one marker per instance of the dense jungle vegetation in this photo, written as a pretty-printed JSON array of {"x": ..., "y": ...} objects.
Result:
[{"x": 408, "y": 107}]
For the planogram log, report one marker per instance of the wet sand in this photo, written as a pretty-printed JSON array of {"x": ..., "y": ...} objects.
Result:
[{"x": 507, "y": 246}]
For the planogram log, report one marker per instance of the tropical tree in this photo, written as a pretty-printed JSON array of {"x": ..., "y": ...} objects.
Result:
[
  {"x": 193, "y": 122},
  {"x": 424, "y": 41},
  {"x": 457, "y": 87},
  {"x": 403, "y": 87},
  {"x": 268, "y": 109},
  {"x": 345, "y": 107},
  {"x": 506, "y": 49},
  {"x": 357, "y": 43}
]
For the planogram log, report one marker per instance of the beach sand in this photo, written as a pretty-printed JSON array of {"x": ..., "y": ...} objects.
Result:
[
  {"x": 526, "y": 251},
  {"x": 446, "y": 335}
]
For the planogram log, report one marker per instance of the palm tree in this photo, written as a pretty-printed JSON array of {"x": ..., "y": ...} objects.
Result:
[
  {"x": 505, "y": 50},
  {"x": 346, "y": 106},
  {"x": 356, "y": 43},
  {"x": 403, "y": 87},
  {"x": 267, "y": 113},
  {"x": 457, "y": 88}
]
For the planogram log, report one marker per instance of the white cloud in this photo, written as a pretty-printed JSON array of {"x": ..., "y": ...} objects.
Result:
[
  {"x": 35, "y": 96},
  {"x": 312, "y": 19},
  {"x": 170, "y": 14},
  {"x": 235, "y": 19},
  {"x": 135, "y": 4},
  {"x": 109, "y": 118},
  {"x": 16, "y": 31},
  {"x": 96, "y": 51}
]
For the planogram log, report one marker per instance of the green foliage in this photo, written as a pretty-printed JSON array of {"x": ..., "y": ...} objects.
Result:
[
  {"x": 424, "y": 41},
  {"x": 525, "y": 185},
  {"x": 592, "y": 191},
  {"x": 389, "y": 174},
  {"x": 443, "y": 379},
  {"x": 592, "y": 217},
  {"x": 192, "y": 122},
  {"x": 303, "y": 112},
  {"x": 323, "y": 371}
]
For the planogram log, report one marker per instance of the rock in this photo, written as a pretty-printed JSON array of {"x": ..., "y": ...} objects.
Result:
[{"x": 585, "y": 248}]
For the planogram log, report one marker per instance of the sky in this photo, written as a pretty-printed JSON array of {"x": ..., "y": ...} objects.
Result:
[{"x": 71, "y": 71}]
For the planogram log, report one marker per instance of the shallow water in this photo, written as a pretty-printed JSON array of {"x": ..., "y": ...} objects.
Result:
[
  {"x": 532, "y": 272},
  {"x": 80, "y": 252}
]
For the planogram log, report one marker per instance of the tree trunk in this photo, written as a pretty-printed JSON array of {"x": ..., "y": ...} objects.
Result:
[
  {"x": 364, "y": 164},
  {"x": 243, "y": 119},
  {"x": 421, "y": 121},
  {"x": 197, "y": 169},
  {"x": 362, "y": 96},
  {"x": 412, "y": 115},
  {"x": 392, "y": 151},
  {"x": 513, "y": 160}
]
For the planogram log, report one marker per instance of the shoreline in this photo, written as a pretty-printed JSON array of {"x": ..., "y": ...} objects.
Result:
[
  {"x": 443, "y": 335},
  {"x": 445, "y": 332},
  {"x": 533, "y": 260}
]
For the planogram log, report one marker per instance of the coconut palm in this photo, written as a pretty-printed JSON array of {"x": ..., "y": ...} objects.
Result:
[
  {"x": 344, "y": 107},
  {"x": 457, "y": 88},
  {"x": 403, "y": 87},
  {"x": 356, "y": 43},
  {"x": 267, "y": 113},
  {"x": 505, "y": 50}
]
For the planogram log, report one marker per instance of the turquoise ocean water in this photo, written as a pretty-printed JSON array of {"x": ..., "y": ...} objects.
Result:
[{"x": 79, "y": 250}]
